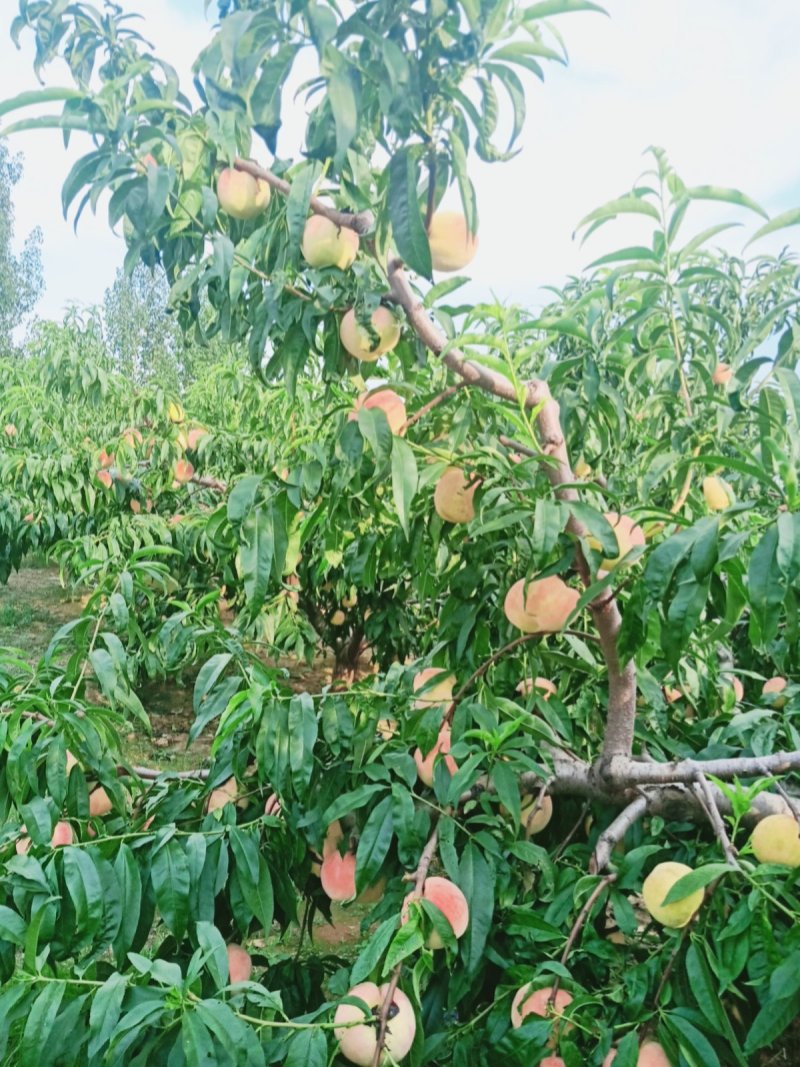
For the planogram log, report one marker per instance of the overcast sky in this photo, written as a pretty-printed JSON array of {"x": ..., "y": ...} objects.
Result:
[{"x": 714, "y": 82}]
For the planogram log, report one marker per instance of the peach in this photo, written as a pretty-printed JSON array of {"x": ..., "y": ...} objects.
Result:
[
  {"x": 387, "y": 728},
  {"x": 385, "y": 400},
  {"x": 629, "y": 535},
  {"x": 136, "y": 507},
  {"x": 717, "y": 493},
  {"x": 543, "y": 686},
  {"x": 131, "y": 437},
  {"x": 772, "y": 687},
  {"x": 99, "y": 802},
  {"x": 722, "y": 374},
  {"x": 62, "y": 835},
  {"x": 325, "y": 244},
  {"x": 175, "y": 412},
  {"x": 350, "y": 601},
  {"x": 425, "y": 764},
  {"x": 651, "y": 1054},
  {"x": 358, "y": 1044},
  {"x": 528, "y": 1001},
  {"x": 28, "y": 517},
  {"x": 441, "y": 692},
  {"x": 338, "y": 618},
  {"x": 241, "y": 195},
  {"x": 184, "y": 471},
  {"x": 776, "y": 839},
  {"x": 451, "y": 902},
  {"x": 338, "y": 875},
  {"x": 453, "y": 247},
  {"x": 195, "y": 436},
  {"x": 240, "y": 966},
  {"x": 581, "y": 469},
  {"x": 533, "y": 818},
  {"x": 671, "y": 694},
  {"x": 552, "y": 1061},
  {"x": 273, "y": 805},
  {"x": 105, "y": 479},
  {"x": 10, "y": 429},
  {"x": 738, "y": 689},
  {"x": 222, "y": 795},
  {"x": 357, "y": 340},
  {"x": 655, "y": 888},
  {"x": 453, "y": 496},
  {"x": 105, "y": 459},
  {"x": 541, "y": 605}
]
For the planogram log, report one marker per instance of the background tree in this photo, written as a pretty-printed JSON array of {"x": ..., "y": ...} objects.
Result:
[{"x": 21, "y": 281}]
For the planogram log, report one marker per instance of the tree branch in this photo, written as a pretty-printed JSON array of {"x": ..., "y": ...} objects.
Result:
[
  {"x": 615, "y": 832},
  {"x": 362, "y": 222},
  {"x": 633, "y": 772},
  {"x": 703, "y": 791},
  {"x": 438, "y": 399}
]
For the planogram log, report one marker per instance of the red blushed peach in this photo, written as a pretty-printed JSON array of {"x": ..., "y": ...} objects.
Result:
[
  {"x": 338, "y": 875},
  {"x": 10, "y": 429},
  {"x": 273, "y": 805},
  {"x": 529, "y": 1001},
  {"x": 241, "y": 195},
  {"x": 425, "y": 764},
  {"x": 358, "y": 1044},
  {"x": 629, "y": 536},
  {"x": 62, "y": 835},
  {"x": 453, "y": 247},
  {"x": 184, "y": 471},
  {"x": 136, "y": 507},
  {"x": 651, "y": 1054},
  {"x": 105, "y": 479},
  {"x": 99, "y": 802},
  {"x": 358, "y": 341},
  {"x": 386, "y": 400},
  {"x": 28, "y": 517},
  {"x": 325, "y": 244},
  {"x": 131, "y": 437},
  {"x": 543, "y": 687},
  {"x": 540, "y": 606},
  {"x": 105, "y": 459},
  {"x": 195, "y": 436},
  {"x": 453, "y": 496},
  {"x": 439, "y": 692},
  {"x": 771, "y": 688},
  {"x": 240, "y": 966},
  {"x": 451, "y": 902},
  {"x": 722, "y": 374},
  {"x": 222, "y": 795},
  {"x": 552, "y": 1061}
]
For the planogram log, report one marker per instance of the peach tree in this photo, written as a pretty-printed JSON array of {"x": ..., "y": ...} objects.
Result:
[{"x": 589, "y": 516}]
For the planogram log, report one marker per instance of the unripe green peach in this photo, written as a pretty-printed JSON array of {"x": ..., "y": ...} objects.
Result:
[
  {"x": 241, "y": 195},
  {"x": 325, "y": 244},
  {"x": 453, "y": 247},
  {"x": 356, "y": 338},
  {"x": 540, "y": 606},
  {"x": 656, "y": 887},
  {"x": 776, "y": 839},
  {"x": 718, "y": 494}
]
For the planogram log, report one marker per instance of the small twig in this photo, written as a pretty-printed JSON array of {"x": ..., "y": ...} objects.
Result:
[
  {"x": 702, "y": 791},
  {"x": 794, "y": 807},
  {"x": 576, "y": 826},
  {"x": 438, "y": 399},
  {"x": 362, "y": 222},
  {"x": 672, "y": 960},
  {"x": 151, "y": 774},
  {"x": 577, "y": 926},
  {"x": 615, "y": 832}
]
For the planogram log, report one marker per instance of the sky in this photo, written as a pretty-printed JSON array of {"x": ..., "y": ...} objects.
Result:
[{"x": 714, "y": 82}]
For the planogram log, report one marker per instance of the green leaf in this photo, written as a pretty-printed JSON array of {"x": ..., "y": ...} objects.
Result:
[
  {"x": 697, "y": 879},
  {"x": 36, "y": 1049},
  {"x": 196, "y": 1042},
  {"x": 405, "y": 943},
  {"x": 12, "y": 926},
  {"x": 766, "y": 586},
  {"x": 373, "y": 950},
  {"x": 374, "y": 843},
  {"x": 623, "y": 205},
  {"x": 547, "y": 8},
  {"x": 404, "y": 481},
  {"x": 85, "y": 889},
  {"x": 780, "y": 222},
  {"x": 257, "y": 547},
  {"x": 309, "y": 1048},
  {"x": 343, "y": 96},
  {"x": 297, "y": 202},
  {"x": 697, "y": 1049},
  {"x": 302, "y": 739},
  {"x": 408, "y": 228},
  {"x": 105, "y": 1012},
  {"x": 727, "y": 196},
  {"x": 476, "y": 878},
  {"x": 170, "y": 877},
  {"x": 771, "y": 1021},
  {"x": 351, "y": 801},
  {"x": 38, "y": 96}
]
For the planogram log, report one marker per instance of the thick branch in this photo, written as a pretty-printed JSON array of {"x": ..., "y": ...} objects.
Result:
[
  {"x": 362, "y": 222},
  {"x": 630, "y": 772}
]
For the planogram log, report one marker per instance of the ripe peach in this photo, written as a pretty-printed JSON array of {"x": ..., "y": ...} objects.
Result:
[
  {"x": 441, "y": 692},
  {"x": 534, "y": 821},
  {"x": 105, "y": 479},
  {"x": 543, "y": 686},
  {"x": 540, "y": 606},
  {"x": 357, "y": 340},
  {"x": 528, "y": 1001},
  {"x": 99, "y": 802},
  {"x": 738, "y": 689},
  {"x": 772, "y": 687},
  {"x": 385, "y": 400},
  {"x": 451, "y": 902},
  {"x": 10, "y": 429},
  {"x": 717, "y": 493},
  {"x": 241, "y": 195},
  {"x": 62, "y": 835},
  {"x": 184, "y": 471},
  {"x": 651, "y": 1054},
  {"x": 131, "y": 437},
  {"x": 776, "y": 839},
  {"x": 338, "y": 618},
  {"x": 240, "y": 966},
  {"x": 195, "y": 436},
  {"x": 453, "y": 247},
  {"x": 655, "y": 888},
  {"x": 552, "y": 1061},
  {"x": 222, "y": 795},
  {"x": 722, "y": 374},
  {"x": 359, "y": 1043},
  {"x": 629, "y": 535},
  {"x": 453, "y": 496},
  {"x": 136, "y": 507},
  {"x": 671, "y": 694},
  {"x": 325, "y": 244},
  {"x": 175, "y": 412},
  {"x": 105, "y": 459},
  {"x": 273, "y": 805},
  {"x": 28, "y": 517},
  {"x": 338, "y": 875},
  {"x": 425, "y": 764}
]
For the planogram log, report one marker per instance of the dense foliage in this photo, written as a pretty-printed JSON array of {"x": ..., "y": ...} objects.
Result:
[{"x": 316, "y": 520}]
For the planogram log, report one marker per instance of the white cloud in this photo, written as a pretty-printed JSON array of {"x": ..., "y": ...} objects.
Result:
[{"x": 714, "y": 83}]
